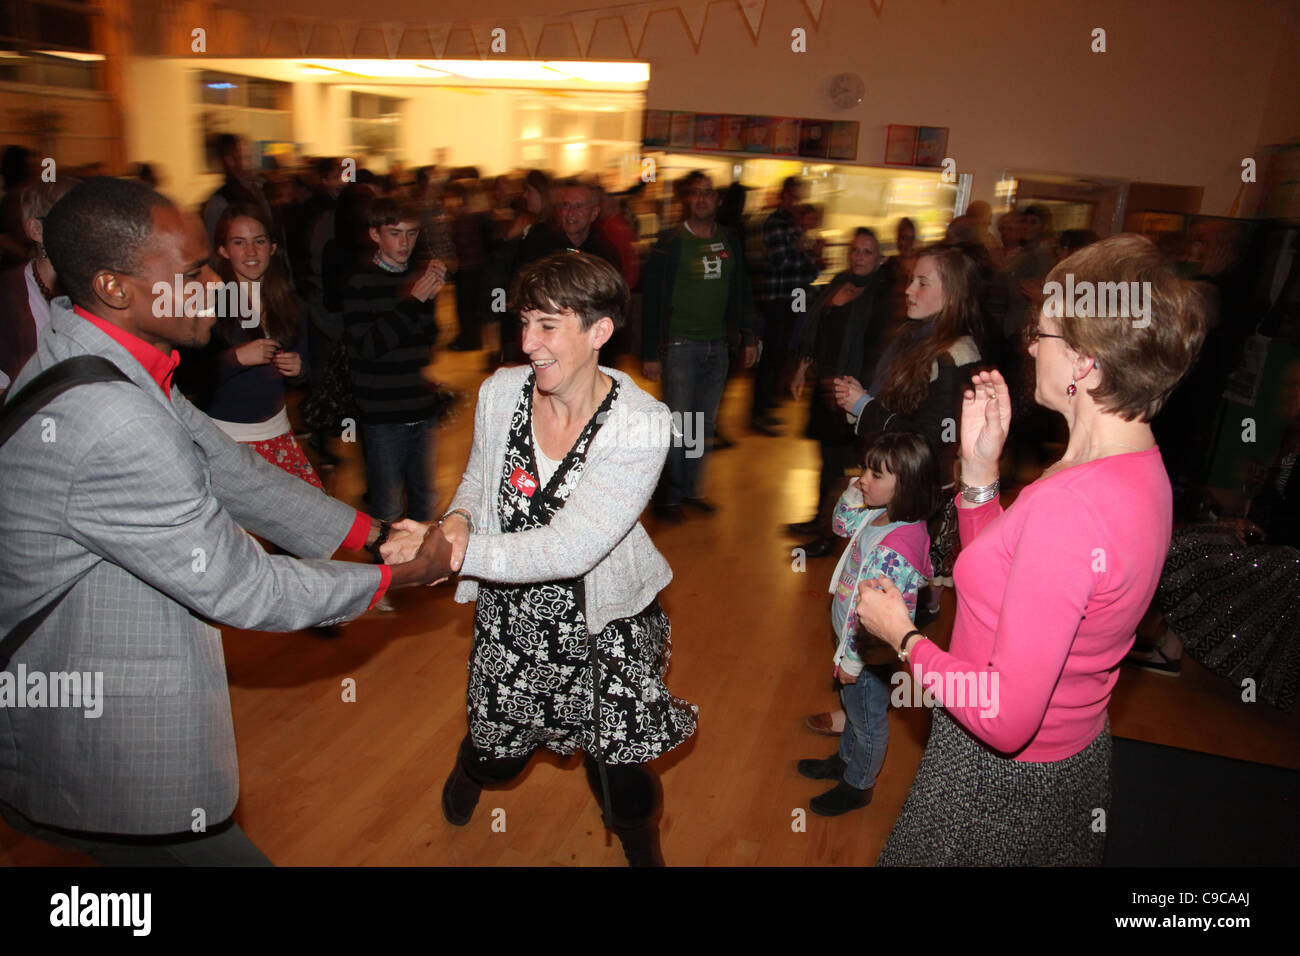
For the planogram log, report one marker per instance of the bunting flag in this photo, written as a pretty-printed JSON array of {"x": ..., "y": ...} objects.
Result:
[
  {"x": 392, "y": 37},
  {"x": 531, "y": 28},
  {"x": 438, "y": 33},
  {"x": 584, "y": 24},
  {"x": 753, "y": 11},
  {"x": 694, "y": 12},
  {"x": 348, "y": 30},
  {"x": 634, "y": 23},
  {"x": 878, "y": 6},
  {"x": 229, "y": 33}
]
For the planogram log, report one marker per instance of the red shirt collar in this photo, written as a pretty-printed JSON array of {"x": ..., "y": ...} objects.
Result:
[{"x": 158, "y": 364}]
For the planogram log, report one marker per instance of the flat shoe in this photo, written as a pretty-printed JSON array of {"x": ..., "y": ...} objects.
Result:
[{"x": 822, "y": 724}]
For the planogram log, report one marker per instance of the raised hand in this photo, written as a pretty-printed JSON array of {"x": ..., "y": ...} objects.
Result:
[
  {"x": 985, "y": 422},
  {"x": 847, "y": 392}
]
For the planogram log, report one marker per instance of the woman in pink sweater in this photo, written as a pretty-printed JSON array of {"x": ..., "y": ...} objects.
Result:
[{"x": 1049, "y": 591}]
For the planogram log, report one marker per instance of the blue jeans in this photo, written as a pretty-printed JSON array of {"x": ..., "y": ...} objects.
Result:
[
  {"x": 695, "y": 372},
  {"x": 866, "y": 727},
  {"x": 401, "y": 457}
]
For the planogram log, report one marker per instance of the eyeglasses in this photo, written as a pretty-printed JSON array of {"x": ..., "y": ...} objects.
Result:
[{"x": 1032, "y": 335}]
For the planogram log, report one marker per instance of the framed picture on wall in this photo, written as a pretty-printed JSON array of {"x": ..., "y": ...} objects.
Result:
[
  {"x": 931, "y": 145},
  {"x": 758, "y": 134},
  {"x": 900, "y": 145},
  {"x": 733, "y": 133},
  {"x": 683, "y": 130},
  {"x": 844, "y": 140},
  {"x": 814, "y": 138},
  {"x": 656, "y": 127},
  {"x": 785, "y": 135},
  {"x": 708, "y": 130}
]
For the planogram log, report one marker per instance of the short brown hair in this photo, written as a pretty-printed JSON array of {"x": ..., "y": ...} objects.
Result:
[
  {"x": 386, "y": 211},
  {"x": 574, "y": 282},
  {"x": 1140, "y": 366},
  {"x": 908, "y": 457}
]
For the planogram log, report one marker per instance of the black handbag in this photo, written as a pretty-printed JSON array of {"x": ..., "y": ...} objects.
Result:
[{"x": 331, "y": 401}]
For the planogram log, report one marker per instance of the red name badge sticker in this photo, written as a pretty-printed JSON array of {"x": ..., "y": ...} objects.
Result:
[{"x": 523, "y": 482}]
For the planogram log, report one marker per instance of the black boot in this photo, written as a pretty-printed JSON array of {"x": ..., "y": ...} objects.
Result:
[
  {"x": 640, "y": 842},
  {"x": 460, "y": 796}
]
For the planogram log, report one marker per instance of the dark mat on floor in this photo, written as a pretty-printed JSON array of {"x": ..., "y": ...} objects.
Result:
[{"x": 1174, "y": 807}]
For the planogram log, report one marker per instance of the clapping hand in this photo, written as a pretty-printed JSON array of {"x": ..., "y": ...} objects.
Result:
[
  {"x": 985, "y": 421},
  {"x": 847, "y": 392},
  {"x": 427, "y": 284}
]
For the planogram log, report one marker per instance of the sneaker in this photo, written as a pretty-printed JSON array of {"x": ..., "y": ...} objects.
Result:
[
  {"x": 840, "y": 800},
  {"x": 832, "y": 768}
]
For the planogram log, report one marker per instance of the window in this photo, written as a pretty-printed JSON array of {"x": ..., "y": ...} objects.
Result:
[
  {"x": 259, "y": 110},
  {"x": 375, "y": 121}
]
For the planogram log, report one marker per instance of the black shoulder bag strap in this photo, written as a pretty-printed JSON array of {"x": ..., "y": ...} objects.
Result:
[{"x": 35, "y": 395}]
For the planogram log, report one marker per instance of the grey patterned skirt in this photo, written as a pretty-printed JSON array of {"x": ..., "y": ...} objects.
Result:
[{"x": 968, "y": 806}]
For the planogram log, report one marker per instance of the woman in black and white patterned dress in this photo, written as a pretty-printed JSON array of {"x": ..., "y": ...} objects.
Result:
[{"x": 570, "y": 642}]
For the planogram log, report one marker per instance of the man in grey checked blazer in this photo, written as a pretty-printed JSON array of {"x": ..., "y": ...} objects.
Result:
[{"x": 134, "y": 495}]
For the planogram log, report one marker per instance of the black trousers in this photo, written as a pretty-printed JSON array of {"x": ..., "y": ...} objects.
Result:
[
  {"x": 633, "y": 793},
  {"x": 777, "y": 329},
  {"x": 469, "y": 307},
  {"x": 222, "y": 845}
]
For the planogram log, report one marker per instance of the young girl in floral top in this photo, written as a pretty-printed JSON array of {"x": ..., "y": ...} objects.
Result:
[{"x": 883, "y": 514}]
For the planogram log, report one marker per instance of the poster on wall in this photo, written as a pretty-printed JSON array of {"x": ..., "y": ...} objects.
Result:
[
  {"x": 900, "y": 145},
  {"x": 931, "y": 145},
  {"x": 785, "y": 135},
  {"x": 656, "y": 128},
  {"x": 814, "y": 138},
  {"x": 733, "y": 133},
  {"x": 683, "y": 130},
  {"x": 707, "y": 130},
  {"x": 844, "y": 140},
  {"x": 758, "y": 134}
]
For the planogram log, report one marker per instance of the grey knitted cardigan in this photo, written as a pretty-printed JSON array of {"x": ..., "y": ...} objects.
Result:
[{"x": 597, "y": 535}]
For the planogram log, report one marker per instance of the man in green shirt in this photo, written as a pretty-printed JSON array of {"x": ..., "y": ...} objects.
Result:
[{"x": 697, "y": 304}]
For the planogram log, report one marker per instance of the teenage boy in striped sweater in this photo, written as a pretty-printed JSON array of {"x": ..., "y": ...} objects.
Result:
[{"x": 389, "y": 325}]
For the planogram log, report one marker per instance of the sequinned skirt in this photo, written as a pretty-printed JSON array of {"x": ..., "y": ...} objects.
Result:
[
  {"x": 1236, "y": 608},
  {"x": 968, "y": 806}
]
